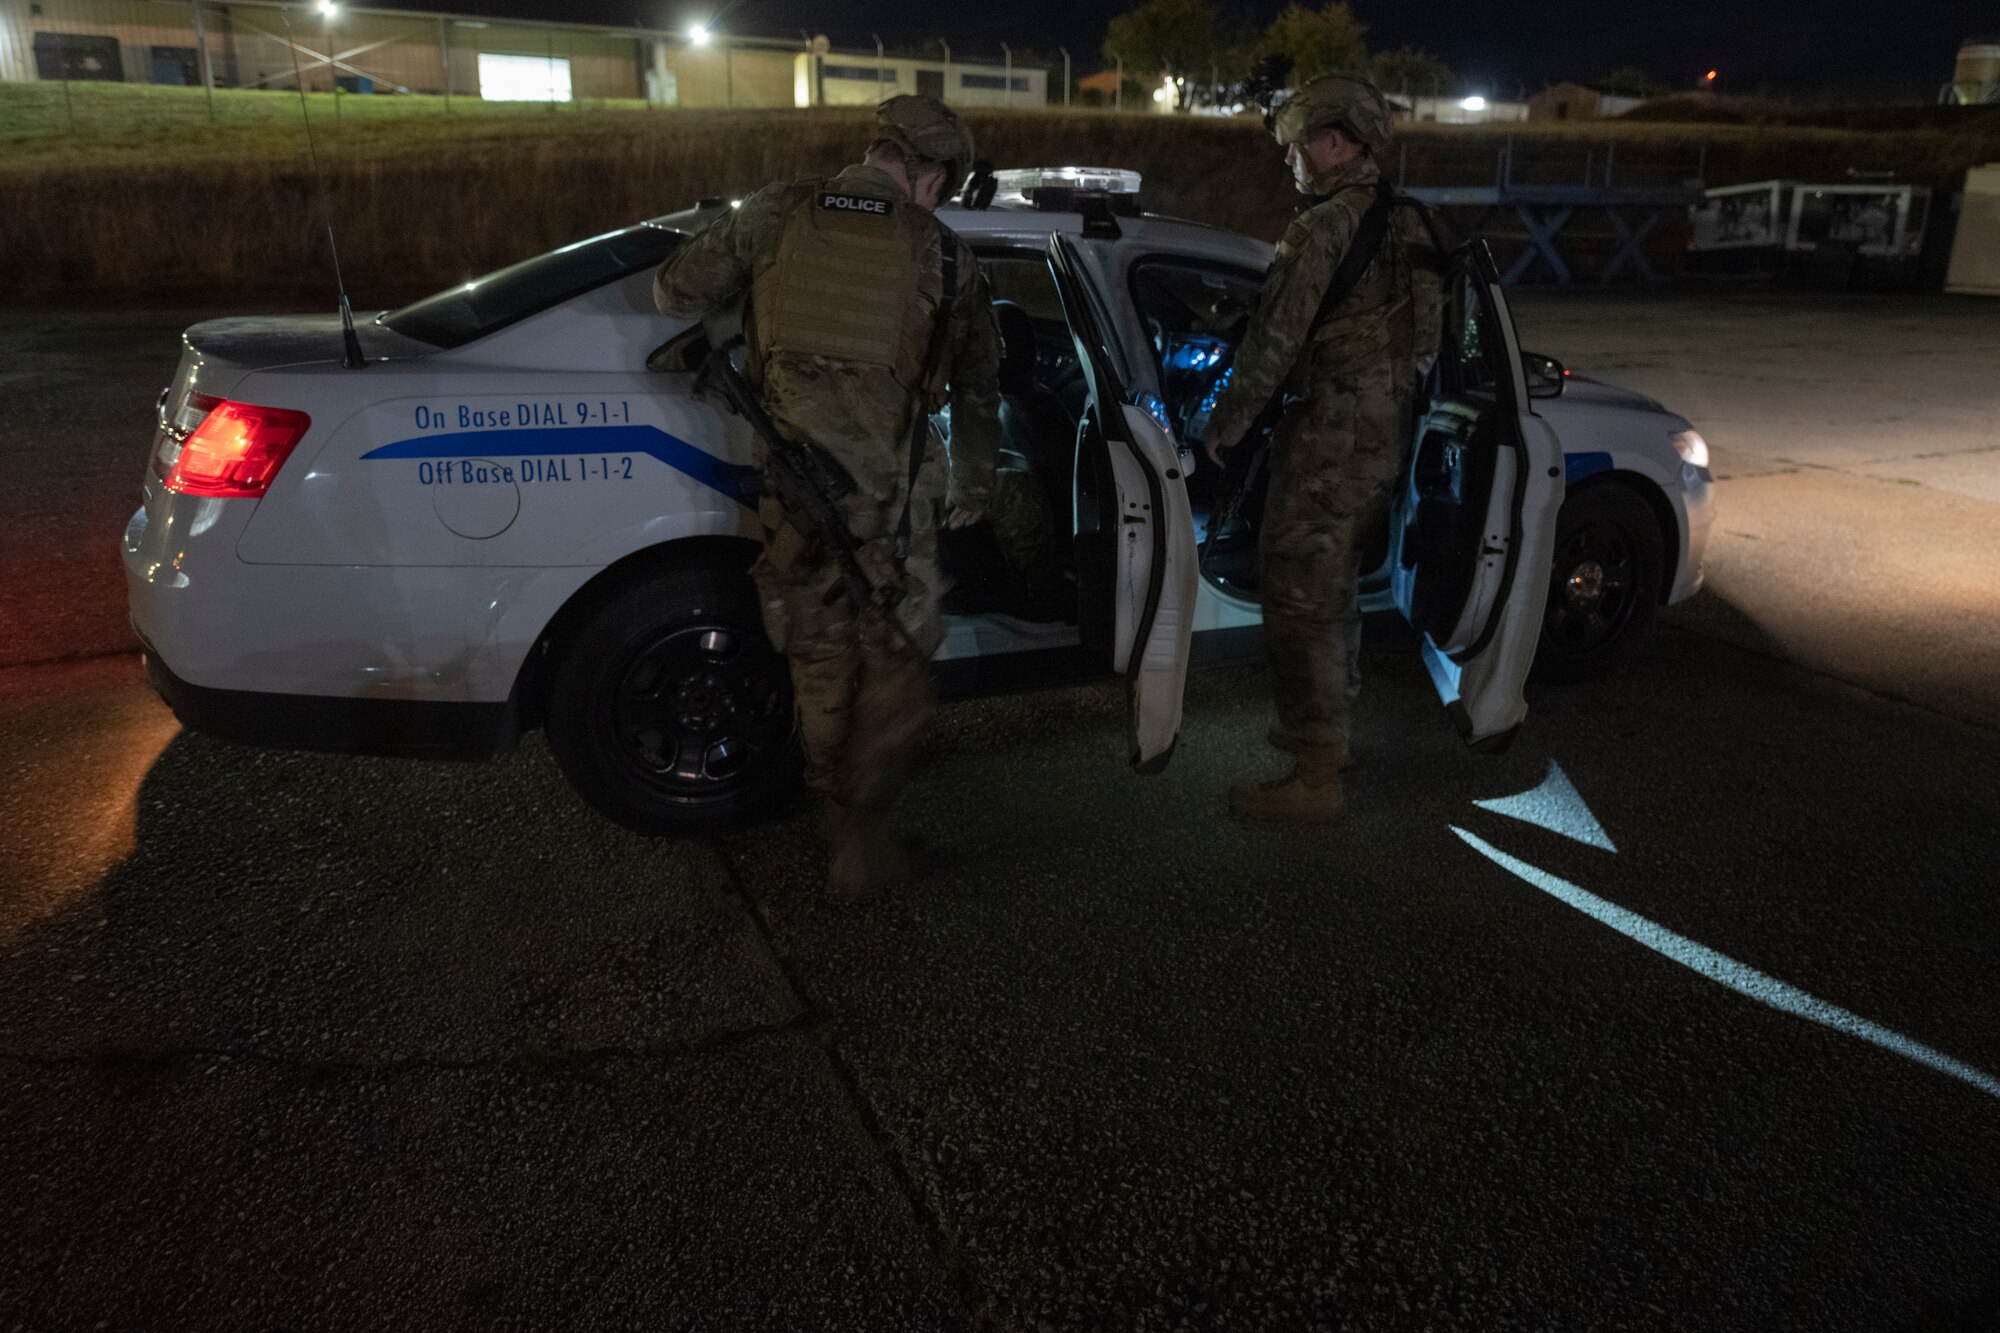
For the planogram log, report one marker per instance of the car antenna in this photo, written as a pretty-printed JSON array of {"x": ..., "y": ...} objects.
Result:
[{"x": 350, "y": 341}]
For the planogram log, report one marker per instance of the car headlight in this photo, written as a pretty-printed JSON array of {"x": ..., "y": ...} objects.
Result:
[{"x": 1691, "y": 447}]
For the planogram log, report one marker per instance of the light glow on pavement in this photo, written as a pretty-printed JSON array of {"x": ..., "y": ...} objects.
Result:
[
  {"x": 1555, "y": 806},
  {"x": 1720, "y": 968},
  {"x": 71, "y": 767}
]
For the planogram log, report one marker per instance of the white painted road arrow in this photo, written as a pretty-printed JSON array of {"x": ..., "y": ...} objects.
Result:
[{"x": 1556, "y": 805}]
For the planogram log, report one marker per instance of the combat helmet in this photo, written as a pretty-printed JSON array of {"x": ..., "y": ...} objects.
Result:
[
  {"x": 924, "y": 127},
  {"x": 1346, "y": 102}
]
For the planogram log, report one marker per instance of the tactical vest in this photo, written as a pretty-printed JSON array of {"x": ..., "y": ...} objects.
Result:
[
  {"x": 1391, "y": 311},
  {"x": 846, "y": 283}
]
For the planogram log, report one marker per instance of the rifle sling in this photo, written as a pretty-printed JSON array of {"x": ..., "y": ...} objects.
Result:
[{"x": 1368, "y": 238}]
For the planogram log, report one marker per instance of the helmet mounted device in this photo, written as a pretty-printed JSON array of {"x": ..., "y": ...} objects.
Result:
[{"x": 1264, "y": 86}]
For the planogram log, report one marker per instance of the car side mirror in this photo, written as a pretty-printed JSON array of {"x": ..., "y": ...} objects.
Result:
[{"x": 1545, "y": 375}]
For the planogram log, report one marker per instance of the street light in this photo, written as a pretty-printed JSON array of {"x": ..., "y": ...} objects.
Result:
[
  {"x": 698, "y": 35},
  {"x": 328, "y": 9},
  {"x": 1474, "y": 103}
]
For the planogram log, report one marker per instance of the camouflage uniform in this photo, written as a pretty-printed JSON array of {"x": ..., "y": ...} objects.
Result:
[
  {"x": 1336, "y": 456},
  {"x": 1019, "y": 512},
  {"x": 863, "y": 696},
  {"x": 1024, "y": 527}
]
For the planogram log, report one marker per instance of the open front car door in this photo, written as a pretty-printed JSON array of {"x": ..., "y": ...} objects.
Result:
[
  {"x": 1135, "y": 550},
  {"x": 1474, "y": 531}
]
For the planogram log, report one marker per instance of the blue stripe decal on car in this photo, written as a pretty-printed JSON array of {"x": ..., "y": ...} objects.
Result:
[
  {"x": 1578, "y": 466},
  {"x": 676, "y": 453}
]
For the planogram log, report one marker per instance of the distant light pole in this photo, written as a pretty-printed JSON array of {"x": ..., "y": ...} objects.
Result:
[
  {"x": 1065, "y": 56},
  {"x": 207, "y": 66},
  {"x": 1007, "y": 75},
  {"x": 327, "y": 9},
  {"x": 945, "y": 91},
  {"x": 701, "y": 35},
  {"x": 1118, "y": 104},
  {"x": 444, "y": 59},
  {"x": 879, "y": 70},
  {"x": 62, "y": 58}
]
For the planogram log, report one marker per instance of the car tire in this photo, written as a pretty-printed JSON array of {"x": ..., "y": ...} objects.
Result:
[
  {"x": 1604, "y": 585},
  {"x": 668, "y": 709}
]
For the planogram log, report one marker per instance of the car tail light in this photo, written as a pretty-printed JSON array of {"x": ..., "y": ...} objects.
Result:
[{"x": 236, "y": 451}]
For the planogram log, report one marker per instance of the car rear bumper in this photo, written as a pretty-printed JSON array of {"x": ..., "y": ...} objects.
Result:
[
  {"x": 418, "y": 729},
  {"x": 419, "y": 634}
]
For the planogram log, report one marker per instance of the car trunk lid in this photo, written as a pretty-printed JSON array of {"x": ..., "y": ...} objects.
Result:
[{"x": 266, "y": 342}]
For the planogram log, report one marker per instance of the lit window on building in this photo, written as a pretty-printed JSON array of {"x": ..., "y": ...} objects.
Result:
[{"x": 523, "y": 78}]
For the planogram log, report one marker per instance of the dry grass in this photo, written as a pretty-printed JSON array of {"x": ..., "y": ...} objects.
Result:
[
  {"x": 121, "y": 123},
  {"x": 232, "y": 213}
]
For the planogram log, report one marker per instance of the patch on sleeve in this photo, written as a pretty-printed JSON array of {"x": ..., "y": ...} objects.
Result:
[{"x": 855, "y": 203}]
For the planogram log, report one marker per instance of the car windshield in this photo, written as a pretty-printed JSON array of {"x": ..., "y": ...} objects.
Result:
[{"x": 457, "y": 316}]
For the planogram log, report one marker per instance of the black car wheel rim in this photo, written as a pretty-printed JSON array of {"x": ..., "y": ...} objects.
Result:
[
  {"x": 1593, "y": 588},
  {"x": 700, "y": 709}
]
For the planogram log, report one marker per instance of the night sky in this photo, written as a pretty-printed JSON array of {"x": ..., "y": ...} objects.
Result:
[{"x": 1799, "y": 46}]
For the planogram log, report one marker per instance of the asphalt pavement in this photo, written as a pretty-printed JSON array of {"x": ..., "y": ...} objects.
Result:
[{"x": 322, "y": 1041}]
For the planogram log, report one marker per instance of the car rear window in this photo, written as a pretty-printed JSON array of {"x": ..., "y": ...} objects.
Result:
[{"x": 461, "y": 314}]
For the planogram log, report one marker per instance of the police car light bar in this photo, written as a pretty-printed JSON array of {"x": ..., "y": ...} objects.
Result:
[
  {"x": 1111, "y": 180},
  {"x": 1089, "y": 190}
]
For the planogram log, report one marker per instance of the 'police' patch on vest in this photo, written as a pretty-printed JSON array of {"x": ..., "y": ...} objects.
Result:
[{"x": 854, "y": 203}]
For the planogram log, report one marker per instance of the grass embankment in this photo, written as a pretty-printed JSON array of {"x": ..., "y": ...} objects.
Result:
[
  {"x": 121, "y": 122},
  {"x": 148, "y": 200}
]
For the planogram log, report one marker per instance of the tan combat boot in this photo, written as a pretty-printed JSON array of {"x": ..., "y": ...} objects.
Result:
[
  {"x": 862, "y": 857},
  {"x": 1280, "y": 739},
  {"x": 848, "y": 883},
  {"x": 1310, "y": 794}
]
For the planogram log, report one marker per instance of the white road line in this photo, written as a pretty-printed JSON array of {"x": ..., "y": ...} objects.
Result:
[{"x": 1739, "y": 977}]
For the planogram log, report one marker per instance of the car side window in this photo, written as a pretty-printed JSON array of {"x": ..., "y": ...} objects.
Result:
[
  {"x": 1023, "y": 277},
  {"x": 1471, "y": 356},
  {"x": 1194, "y": 315}
]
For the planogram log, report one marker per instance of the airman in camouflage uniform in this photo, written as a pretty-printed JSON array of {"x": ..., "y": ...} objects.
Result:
[
  {"x": 845, "y": 283},
  {"x": 1350, "y": 382}
]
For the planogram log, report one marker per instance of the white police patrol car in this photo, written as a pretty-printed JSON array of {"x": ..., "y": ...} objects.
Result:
[{"x": 504, "y": 520}]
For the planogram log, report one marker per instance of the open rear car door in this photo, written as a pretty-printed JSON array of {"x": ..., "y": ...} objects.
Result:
[
  {"x": 1474, "y": 530},
  {"x": 1135, "y": 548}
]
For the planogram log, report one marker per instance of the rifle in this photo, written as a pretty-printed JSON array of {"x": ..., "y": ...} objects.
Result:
[
  {"x": 809, "y": 484},
  {"x": 1367, "y": 243},
  {"x": 1239, "y": 475}
]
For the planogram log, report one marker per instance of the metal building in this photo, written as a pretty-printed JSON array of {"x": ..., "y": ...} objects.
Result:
[
  {"x": 272, "y": 44},
  {"x": 1573, "y": 101}
]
